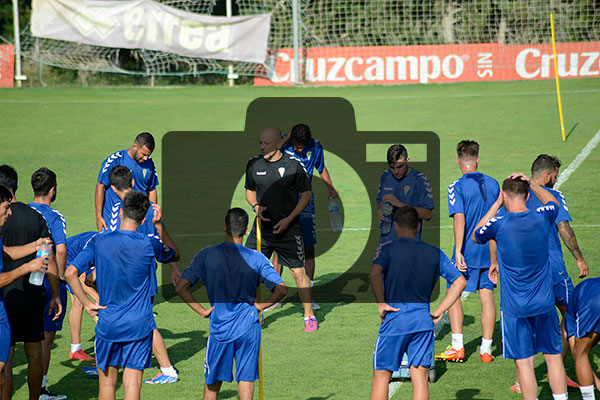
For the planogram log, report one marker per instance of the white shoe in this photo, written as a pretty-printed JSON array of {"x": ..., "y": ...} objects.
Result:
[
  {"x": 46, "y": 395},
  {"x": 274, "y": 306},
  {"x": 315, "y": 306}
]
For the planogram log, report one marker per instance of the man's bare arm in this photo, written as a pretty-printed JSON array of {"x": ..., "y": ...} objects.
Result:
[
  {"x": 459, "y": 236},
  {"x": 61, "y": 260},
  {"x": 183, "y": 289},
  {"x": 99, "y": 203},
  {"x": 327, "y": 181},
  {"x": 569, "y": 239},
  {"x": 153, "y": 196}
]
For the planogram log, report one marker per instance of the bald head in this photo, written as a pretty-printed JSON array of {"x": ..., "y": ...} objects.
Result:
[
  {"x": 269, "y": 141},
  {"x": 271, "y": 132}
]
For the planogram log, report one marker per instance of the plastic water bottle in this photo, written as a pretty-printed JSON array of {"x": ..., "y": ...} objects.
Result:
[
  {"x": 334, "y": 215},
  {"x": 37, "y": 277},
  {"x": 385, "y": 226}
]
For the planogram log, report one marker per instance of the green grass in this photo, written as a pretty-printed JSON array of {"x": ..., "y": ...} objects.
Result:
[{"x": 71, "y": 130}]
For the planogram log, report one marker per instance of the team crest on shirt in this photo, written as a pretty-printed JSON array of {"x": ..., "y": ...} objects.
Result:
[
  {"x": 144, "y": 171},
  {"x": 308, "y": 154},
  {"x": 406, "y": 189},
  {"x": 281, "y": 171}
]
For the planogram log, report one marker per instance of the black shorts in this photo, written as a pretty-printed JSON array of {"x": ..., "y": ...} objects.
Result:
[
  {"x": 25, "y": 310},
  {"x": 289, "y": 245}
]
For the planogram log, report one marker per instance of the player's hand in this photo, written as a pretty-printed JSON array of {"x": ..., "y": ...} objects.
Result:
[
  {"x": 39, "y": 242},
  {"x": 436, "y": 317},
  {"x": 460, "y": 262},
  {"x": 39, "y": 264},
  {"x": 519, "y": 175},
  {"x": 206, "y": 312},
  {"x": 175, "y": 274},
  {"x": 157, "y": 217},
  {"x": 100, "y": 224},
  {"x": 333, "y": 194},
  {"x": 385, "y": 308},
  {"x": 393, "y": 200},
  {"x": 56, "y": 307},
  {"x": 281, "y": 226},
  {"x": 493, "y": 273},
  {"x": 259, "y": 211},
  {"x": 584, "y": 269},
  {"x": 92, "y": 309},
  {"x": 380, "y": 214},
  {"x": 500, "y": 200}
]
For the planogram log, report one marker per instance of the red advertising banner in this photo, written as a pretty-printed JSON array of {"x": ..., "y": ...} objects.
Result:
[
  {"x": 433, "y": 64},
  {"x": 7, "y": 65}
]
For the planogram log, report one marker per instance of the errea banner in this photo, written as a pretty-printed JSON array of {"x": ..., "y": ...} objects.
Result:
[
  {"x": 7, "y": 59},
  {"x": 432, "y": 64},
  {"x": 146, "y": 24}
]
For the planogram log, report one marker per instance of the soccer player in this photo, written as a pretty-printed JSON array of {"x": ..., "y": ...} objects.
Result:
[
  {"x": 43, "y": 183},
  {"x": 124, "y": 262},
  {"x": 403, "y": 277},
  {"x": 278, "y": 189},
  {"x": 231, "y": 274},
  {"x": 120, "y": 179},
  {"x": 138, "y": 160},
  {"x": 583, "y": 331},
  {"x": 401, "y": 185},
  {"x": 75, "y": 245},
  {"x": 6, "y": 278},
  {"x": 301, "y": 145},
  {"x": 469, "y": 198},
  {"x": 23, "y": 301},
  {"x": 529, "y": 319}
]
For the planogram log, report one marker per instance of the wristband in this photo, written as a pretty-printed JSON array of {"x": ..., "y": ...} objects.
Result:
[{"x": 254, "y": 206}]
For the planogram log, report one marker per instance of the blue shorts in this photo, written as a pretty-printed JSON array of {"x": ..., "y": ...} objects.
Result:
[
  {"x": 389, "y": 350},
  {"x": 136, "y": 354},
  {"x": 308, "y": 224},
  {"x": 218, "y": 364},
  {"x": 49, "y": 325},
  {"x": 477, "y": 278},
  {"x": 525, "y": 337},
  {"x": 563, "y": 292},
  {"x": 4, "y": 339}
]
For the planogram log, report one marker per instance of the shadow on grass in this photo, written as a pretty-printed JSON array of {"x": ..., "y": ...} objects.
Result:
[
  {"x": 571, "y": 131},
  {"x": 445, "y": 331},
  {"x": 228, "y": 394},
  {"x": 469, "y": 394},
  {"x": 321, "y": 398},
  {"x": 186, "y": 349}
]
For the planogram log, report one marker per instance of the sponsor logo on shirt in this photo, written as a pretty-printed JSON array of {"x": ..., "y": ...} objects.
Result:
[
  {"x": 406, "y": 189},
  {"x": 144, "y": 171},
  {"x": 261, "y": 173},
  {"x": 281, "y": 171},
  {"x": 308, "y": 154}
]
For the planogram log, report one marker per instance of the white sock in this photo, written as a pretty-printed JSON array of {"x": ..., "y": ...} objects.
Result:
[
  {"x": 486, "y": 346},
  {"x": 587, "y": 392},
  {"x": 75, "y": 347},
  {"x": 457, "y": 341},
  {"x": 562, "y": 396},
  {"x": 44, "y": 380},
  {"x": 170, "y": 371}
]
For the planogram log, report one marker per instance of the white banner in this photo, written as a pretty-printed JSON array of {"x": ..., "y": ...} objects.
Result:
[{"x": 145, "y": 24}]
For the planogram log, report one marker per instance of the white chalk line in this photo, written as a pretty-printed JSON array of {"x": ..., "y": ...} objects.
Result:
[
  {"x": 393, "y": 387},
  {"x": 578, "y": 160}
]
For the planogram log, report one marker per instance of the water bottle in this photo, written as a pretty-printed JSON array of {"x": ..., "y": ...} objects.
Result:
[
  {"x": 334, "y": 215},
  {"x": 37, "y": 277},
  {"x": 385, "y": 226}
]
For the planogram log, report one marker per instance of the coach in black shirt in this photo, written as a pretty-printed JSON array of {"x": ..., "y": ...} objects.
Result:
[
  {"x": 278, "y": 189},
  {"x": 25, "y": 302}
]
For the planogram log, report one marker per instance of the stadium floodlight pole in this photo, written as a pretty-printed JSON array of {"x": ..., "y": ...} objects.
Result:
[
  {"x": 296, "y": 33},
  {"x": 18, "y": 76},
  {"x": 260, "y": 375},
  {"x": 560, "y": 113},
  {"x": 230, "y": 75}
]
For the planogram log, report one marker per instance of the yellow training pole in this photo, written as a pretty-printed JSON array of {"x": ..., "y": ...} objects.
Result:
[
  {"x": 260, "y": 378},
  {"x": 560, "y": 113}
]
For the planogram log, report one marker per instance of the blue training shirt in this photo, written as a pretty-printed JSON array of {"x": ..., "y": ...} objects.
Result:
[
  {"x": 522, "y": 245},
  {"x": 231, "y": 274},
  {"x": 76, "y": 244},
  {"x": 411, "y": 269},
  {"x": 55, "y": 221},
  {"x": 124, "y": 263},
  {"x": 472, "y": 195},
  {"x": 144, "y": 176},
  {"x": 414, "y": 189}
]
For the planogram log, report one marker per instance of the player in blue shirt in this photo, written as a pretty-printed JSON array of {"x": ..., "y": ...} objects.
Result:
[
  {"x": 401, "y": 185},
  {"x": 43, "y": 183},
  {"x": 138, "y": 160},
  {"x": 75, "y": 245},
  {"x": 12, "y": 253},
  {"x": 124, "y": 261},
  {"x": 528, "y": 316},
  {"x": 469, "y": 198},
  {"x": 583, "y": 331},
  {"x": 121, "y": 183},
  {"x": 300, "y": 144},
  {"x": 403, "y": 277},
  {"x": 231, "y": 274}
]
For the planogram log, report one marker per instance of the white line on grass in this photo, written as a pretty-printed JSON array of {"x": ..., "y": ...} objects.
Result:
[
  {"x": 578, "y": 160},
  {"x": 394, "y": 386}
]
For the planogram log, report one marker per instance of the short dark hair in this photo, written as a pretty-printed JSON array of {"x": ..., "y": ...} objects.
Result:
[
  {"x": 145, "y": 139},
  {"x": 9, "y": 177},
  {"x": 301, "y": 134},
  {"x": 135, "y": 206},
  {"x": 545, "y": 162},
  {"x": 516, "y": 186},
  {"x": 467, "y": 150},
  {"x": 396, "y": 152},
  {"x": 120, "y": 177},
  {"x": 5, "y": 194},
  {"x": 42, "y": 181},
  {"x": 407, "y": 217},
  {"x": 236, "y": 222}
]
